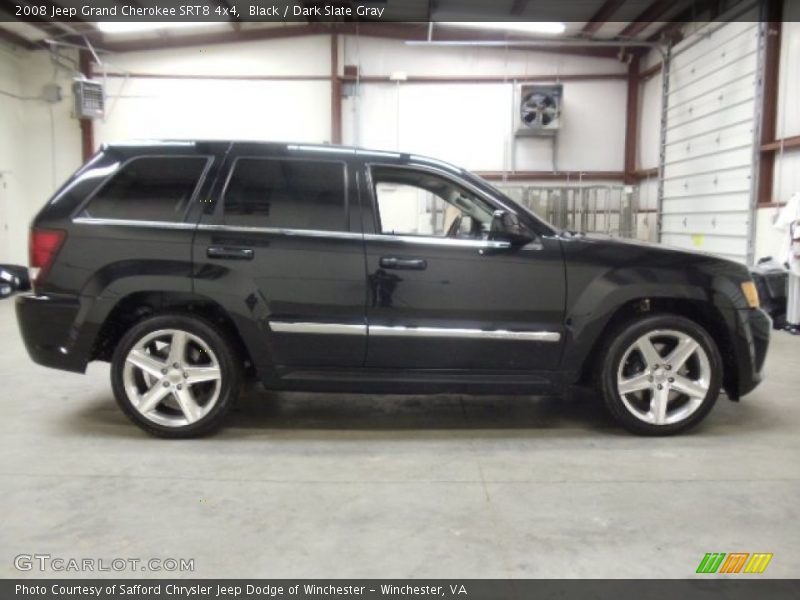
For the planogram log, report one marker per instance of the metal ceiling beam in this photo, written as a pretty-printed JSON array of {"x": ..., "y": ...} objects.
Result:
[
  {"x": 400, "y": 31},
  {"x": 17, "y": 40},
  {"x": 603, "y": 14},
  {"x": 647, "y": 17},
  {"x": 672, "y": 30}
]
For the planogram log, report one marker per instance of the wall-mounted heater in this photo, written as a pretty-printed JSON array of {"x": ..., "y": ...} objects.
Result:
[{"x": 90, "y": 99}]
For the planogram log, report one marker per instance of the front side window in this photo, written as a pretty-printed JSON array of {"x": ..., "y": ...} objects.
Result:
[
  {"x": 287, "y": 194},
  {"x": 412, "y": 202},
  {"x": 150, "y": 188}
]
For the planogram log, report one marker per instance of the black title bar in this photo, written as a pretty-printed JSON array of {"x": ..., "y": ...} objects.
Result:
[
  {"x": 374, "y": 589},
  {"x": 322, "y": 11}
]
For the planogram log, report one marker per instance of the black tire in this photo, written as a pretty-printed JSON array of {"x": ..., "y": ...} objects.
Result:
[
  {"x": 615, "y": 350},
  {"x": 217, "y": 341}
]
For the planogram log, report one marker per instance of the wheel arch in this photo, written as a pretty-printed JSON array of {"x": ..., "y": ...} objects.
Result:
[
  {"x": 704, "y": 313},
  {"x": 136, "y": 306}
]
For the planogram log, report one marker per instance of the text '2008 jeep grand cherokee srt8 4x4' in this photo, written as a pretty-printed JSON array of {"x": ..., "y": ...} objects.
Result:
[{"x": 189, "y": 265}]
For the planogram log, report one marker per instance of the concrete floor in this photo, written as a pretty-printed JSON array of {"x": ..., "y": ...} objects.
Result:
[{"x": 441, "y": 486}]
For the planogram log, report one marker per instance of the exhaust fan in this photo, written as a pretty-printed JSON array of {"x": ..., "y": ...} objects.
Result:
[
  {"x": 540, "y": 109},
  {"x": 90, "y": 99}
]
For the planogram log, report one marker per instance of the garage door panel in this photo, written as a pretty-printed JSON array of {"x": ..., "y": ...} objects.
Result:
[
  {"x": 731, "y": 182},
  {"x": 716, "y": 141},
  {"x": 728, "y": 246},
  {"x": 728, "y": 159},
  {"x": 737, "y": 202},
  {"x": 710, "y": 223},
  {"x": 685, "y": 86},
  {"x": 715, "y": 42},
  {"x": 708, "y": 158},
  {"x": 684, "y": 127},
  {"x": 694, "y": 105}
]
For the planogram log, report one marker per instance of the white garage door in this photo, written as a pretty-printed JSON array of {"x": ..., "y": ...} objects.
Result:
[{"x": 710, "y": 154}]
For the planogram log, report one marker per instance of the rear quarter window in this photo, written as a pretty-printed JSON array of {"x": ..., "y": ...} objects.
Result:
[{"x": 151, "y": 188}]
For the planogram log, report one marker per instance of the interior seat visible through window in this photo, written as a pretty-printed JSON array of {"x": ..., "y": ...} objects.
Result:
[{"x": 416, "y": 202}]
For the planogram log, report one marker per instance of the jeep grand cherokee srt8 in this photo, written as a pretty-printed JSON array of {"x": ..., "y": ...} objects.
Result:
[{"x": 190, "y": 265}]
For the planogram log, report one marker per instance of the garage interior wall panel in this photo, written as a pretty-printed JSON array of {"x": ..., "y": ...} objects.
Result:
[
  {"x": 215, "y": 109},
  {"x": 710, "y": 135},
  {"x": 472, "y": 124},
  {"x": 219, "y": 94},
  {"x": 39, "y": 144}
]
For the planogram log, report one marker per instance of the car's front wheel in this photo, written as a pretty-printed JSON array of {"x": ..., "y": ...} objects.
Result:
[
  {"x": 661, "y": 375},
  {"x": 175, "y": 375}
]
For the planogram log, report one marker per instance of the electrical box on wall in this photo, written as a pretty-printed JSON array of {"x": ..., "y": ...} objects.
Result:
[
  {"x": 539, "y": 109},
  {"x": 90, "y": 99}
]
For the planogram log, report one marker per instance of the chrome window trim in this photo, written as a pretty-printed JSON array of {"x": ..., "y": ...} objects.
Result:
[
  {"x": 133, "y": 223},
  {"x": 447, "y": 332},
  {"x": 317, "y": 328},
  {"x": 317, "y": 233},
  {"x": 435, "y": 241},
  {"x": 456, "y": 178},
  {"x": 416, "y": 332}
]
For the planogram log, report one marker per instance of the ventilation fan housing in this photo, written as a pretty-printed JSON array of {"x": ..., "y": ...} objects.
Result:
[
  {"x": 90, "y": 99},
  {"x": 540, "y": 109}
]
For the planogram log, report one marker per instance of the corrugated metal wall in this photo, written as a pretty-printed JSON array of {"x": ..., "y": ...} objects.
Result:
[{"x": 710, "y": 153}]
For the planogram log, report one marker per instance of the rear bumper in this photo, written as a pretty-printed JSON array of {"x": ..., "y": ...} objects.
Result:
[
  {"x": 752, "y": 331},
  {"x": 50, "y": 329}
]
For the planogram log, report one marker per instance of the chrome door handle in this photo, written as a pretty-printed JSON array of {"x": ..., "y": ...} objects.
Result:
[
  {"x": 230, "y": 253},
  {"x": 395, "y": 262}
]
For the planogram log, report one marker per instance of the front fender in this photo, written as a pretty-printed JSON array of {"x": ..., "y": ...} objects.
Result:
[{"x": 603, "y": 276}]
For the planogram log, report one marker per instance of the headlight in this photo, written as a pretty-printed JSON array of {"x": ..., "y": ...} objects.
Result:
[{"x": 750, "y": 293}]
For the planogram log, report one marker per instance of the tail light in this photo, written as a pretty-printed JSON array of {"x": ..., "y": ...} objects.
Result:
[{"x": 44, "y": 246}]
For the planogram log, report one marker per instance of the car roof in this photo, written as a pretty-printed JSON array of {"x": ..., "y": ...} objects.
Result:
[{"x": 145, "y": 147}]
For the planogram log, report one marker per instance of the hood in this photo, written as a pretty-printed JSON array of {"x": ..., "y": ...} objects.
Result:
[{"x": 630, "y": 251}]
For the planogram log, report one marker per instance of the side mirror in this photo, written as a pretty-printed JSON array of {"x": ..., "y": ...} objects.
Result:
[{"x": 507, "y": 228}]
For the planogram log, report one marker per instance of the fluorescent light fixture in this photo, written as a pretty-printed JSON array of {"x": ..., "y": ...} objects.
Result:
[
  {"x": 547, "y": 27},
  {"x": 141, "y": 26}
]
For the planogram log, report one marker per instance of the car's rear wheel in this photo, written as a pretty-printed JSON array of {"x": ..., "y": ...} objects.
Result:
[
  {"x": 175, "y": 376},
  {"x": 661, "y": 375}
]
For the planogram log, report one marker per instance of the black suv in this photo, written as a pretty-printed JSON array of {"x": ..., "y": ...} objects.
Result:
[{"x": 191, "y": 265}]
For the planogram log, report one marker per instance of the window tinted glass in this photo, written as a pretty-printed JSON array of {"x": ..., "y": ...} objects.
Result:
[
  {"x": 156, "y": 188},
  {"x": 419, "y": 203},
  {"x": 291, "y": 194}
]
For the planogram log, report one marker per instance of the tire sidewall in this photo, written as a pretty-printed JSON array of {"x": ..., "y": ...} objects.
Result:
[
  {"x": 218, "y": 344},
  {"x": 620, "y": 343}
]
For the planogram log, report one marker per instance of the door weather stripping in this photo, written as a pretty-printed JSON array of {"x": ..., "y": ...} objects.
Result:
[{"x": 416, "y": 332}]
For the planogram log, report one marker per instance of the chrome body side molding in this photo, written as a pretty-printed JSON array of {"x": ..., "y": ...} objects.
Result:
[{"x": 416, "y": 332}]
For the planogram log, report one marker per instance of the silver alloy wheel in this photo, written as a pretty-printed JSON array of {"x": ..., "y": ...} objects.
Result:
[
  {"x": 664, "y": 377},
  {"x": 172, "y": 377}
]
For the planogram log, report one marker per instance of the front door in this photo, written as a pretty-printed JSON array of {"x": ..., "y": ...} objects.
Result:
[
  {"x": 444, "y": 296},
  {"x": 279, "y": 248}
]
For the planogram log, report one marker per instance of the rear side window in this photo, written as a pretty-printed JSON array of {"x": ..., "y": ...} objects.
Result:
[
  {"x": 151, "y": 188},
  {"x": 287, "y": 194}
]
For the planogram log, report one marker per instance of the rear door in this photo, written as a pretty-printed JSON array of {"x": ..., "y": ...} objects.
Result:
[{"x": 277, "y": 248}]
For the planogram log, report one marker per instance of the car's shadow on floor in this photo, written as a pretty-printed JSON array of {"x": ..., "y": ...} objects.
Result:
[
  {"x": 332, "y": 416},
  {"x": 313, "y": 415}
]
